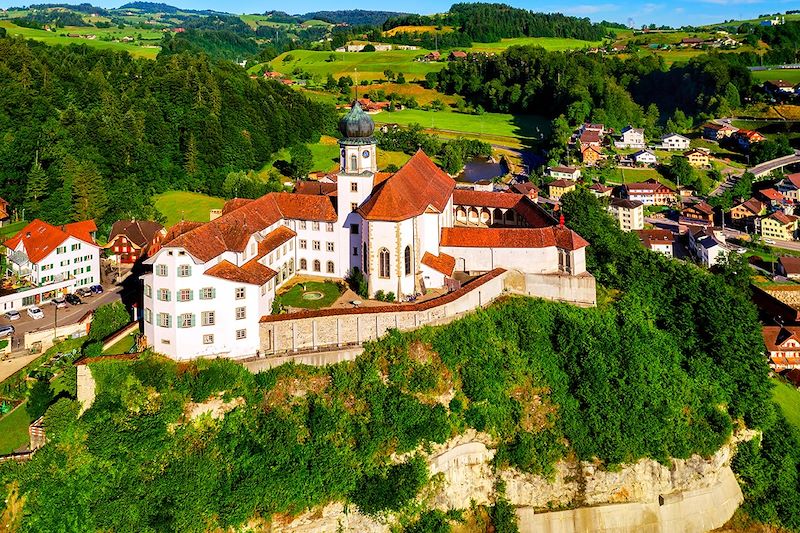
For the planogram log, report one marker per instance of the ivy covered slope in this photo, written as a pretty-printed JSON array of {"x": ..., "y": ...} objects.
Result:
[
  {"x": 94, "y": 133},
  {"x": 666, "y": 369}
]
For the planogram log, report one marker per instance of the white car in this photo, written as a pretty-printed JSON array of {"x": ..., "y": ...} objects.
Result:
[
  {"x": 12, "y": 315},
  {"x": 769, "y": 241},
  {"x": 35, "y": 313},
  {"x": 59, "y": 302}
]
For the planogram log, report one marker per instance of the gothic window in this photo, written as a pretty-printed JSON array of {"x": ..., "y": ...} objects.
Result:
[
  {"x": 329, "y": 267},
  {"x": 303, "y": 264},
  {"x": 353, "y": 162},
  {"x": 316, "y": 265},
  {"x": 408, "y": 260},
  {"x": 383, "y": 258}
]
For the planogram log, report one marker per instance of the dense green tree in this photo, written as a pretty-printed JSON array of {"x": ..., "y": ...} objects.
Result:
[
  {"x": 39, "y": 397},
  {"x": 37, "y": 188},
  {"x": 302, "y": 160},
  {"x": 107, "y": 319}
]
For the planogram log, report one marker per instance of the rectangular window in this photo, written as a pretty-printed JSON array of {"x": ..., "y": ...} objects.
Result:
[
  {"x": 315, "y": 245},
  {"x": 355, "y": 250},
  {"x": 184, "y": 271},
  {"x": 353, "y": 186},
  {"x": 161, "y": 270},
  {"x": 241, "y": 313},
  {"x": 208, "y": 339},
  {"x": 302, "y": 224},
  {"x": 164, "y": 320},
  {"x": 329, "y": 246},
  {"x": 241, "y": 334},
  {"x": 303, "y": 244},
  {"x": 329, "y": 226},
  {"x": 206, "y": 293},
  {"x": 240, "y": 293},
  {"x": 75, "y": 247},
  {"x": 185, "y": 295},
  {"x": 208, "y": 318},
  {"x": 163, "y": 295},
  {"x": 353, "y": 206},
  {"x": 315, "y": 226},
  {"x": 61, "y": 249},
  {"x": 148, "y": 291},
  {"x": 353, "y": 229},
  {"x": 148, "y": 315},
  {"x": 186, "y": 320}
]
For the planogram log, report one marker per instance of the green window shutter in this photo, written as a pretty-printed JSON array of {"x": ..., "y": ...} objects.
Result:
[
  {"x": 213, "y": 292},
  {"x": 191, "y": 321},
  {"x": 169, "y": 321},
  {"x": 191, "y": 295}
]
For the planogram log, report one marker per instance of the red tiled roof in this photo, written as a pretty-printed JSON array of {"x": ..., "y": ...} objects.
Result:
[
  {"x": 782, "y": 217},
  {"x": 524, "y": 188},
  {"x": 409, "y": 191},
  {"x": 790, "y": 264},
  {"x": 599, "y": 187},
  {"x": 40, "y": 238},
  {"x": 138, "y": 232},
  {"x": 233, "y": 229},
  {"x": 775, "y": 336},
  {"x": 566, "y": 170},
  {"x": 752, "y": 205},
  {"x": 771, "y": 194},
  {"x": 647, "y": 186},
  {"x": 561, "y": 184},
  {"x": 252, "y": 272},
  {"x": 441, "y": 263},
  {"x": 650, "y": 237},
  {"x": 794, "y": 179},
  {"x": 703, "y": 207},
  {"x": 180, "y": 228},
  {"x": 234, "y": 204},
  {"x": 559, "y": 236},
  {"x": 590, "y": 136},
  {"x": 315, "y": 187},
  {"x": 485, "y": 199},
  {"x": 274, "y": 239}
]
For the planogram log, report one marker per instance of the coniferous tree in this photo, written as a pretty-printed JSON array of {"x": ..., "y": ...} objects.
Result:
[{"x": 36, "y": 190}]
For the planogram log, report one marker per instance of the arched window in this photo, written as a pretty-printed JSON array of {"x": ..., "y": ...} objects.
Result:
[
  {"x": 303, "y": 264},
  {"x": 316, "y": 265},
  {"x": 383, "y": 259},
  {"x": 408, "y": 260},
  {"x": 353, "y": 162},
  {"x": 329, "y": 267}
]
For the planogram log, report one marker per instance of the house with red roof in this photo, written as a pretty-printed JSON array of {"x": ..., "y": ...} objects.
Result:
[
  {"x": 783, "y": 346},
  {"x": 407, "y": 232},
  {"x": 789, "y": 187},
  {"x": 64, "y": 257},
  {"x": 132, "y": 240}
]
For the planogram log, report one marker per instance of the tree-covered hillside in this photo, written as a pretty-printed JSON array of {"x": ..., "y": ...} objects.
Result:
[
  {"x": 82, "y": 126},
  {"x": 656, "y": 372}
]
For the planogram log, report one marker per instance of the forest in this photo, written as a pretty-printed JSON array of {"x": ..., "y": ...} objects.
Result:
[
  {"x": 652, "y": 372},
  {"x": 87, "y": 127}
]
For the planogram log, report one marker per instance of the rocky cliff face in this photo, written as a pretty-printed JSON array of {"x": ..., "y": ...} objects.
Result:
[{"x": 695, "y": 494}]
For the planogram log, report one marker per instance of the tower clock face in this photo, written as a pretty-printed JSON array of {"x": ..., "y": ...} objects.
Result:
[{"x": 365, "y": 153}]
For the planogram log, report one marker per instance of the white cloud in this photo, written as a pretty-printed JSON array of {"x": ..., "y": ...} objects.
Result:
[{"x": 590, "y": 9}]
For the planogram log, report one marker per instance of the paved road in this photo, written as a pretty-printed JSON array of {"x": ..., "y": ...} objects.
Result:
[{"x": 765, "y": 168}]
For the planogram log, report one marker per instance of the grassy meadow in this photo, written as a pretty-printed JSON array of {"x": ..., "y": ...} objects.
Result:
[
  {"x": 363, "y": 65},
  {"x": 548, "y": 43},
  {"x": 14, "y": 430},
  {"x": 185, "y": 205},
  {"x": 788, "y": 398},
  {"x": 790, "y": 75},
  {"x": 418, "y": 29},
  {"x": 53, "y": 39}
]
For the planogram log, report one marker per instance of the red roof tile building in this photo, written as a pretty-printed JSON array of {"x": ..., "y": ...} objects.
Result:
[
  {"x": 132, "y": 240},
  {"x": 407, "y": 232},
  {"x": 783, "y": 346}
]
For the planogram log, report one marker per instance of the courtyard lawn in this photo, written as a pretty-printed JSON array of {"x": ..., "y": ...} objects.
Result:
[
  {"x": 790, "y": 75},
  {"x": 548, "y": 43},
  {"x": 121, "y": 346},
  {"x": 494, "y": 126},
  {"x": 185, "y": 205},
  {"x": 59, "y": 38},
  {"x": 14, "y": 430},
  {"x": 294, "y": 296},
  {"x": 361, "y": 65},
  {"x": 788, "y": 398}
]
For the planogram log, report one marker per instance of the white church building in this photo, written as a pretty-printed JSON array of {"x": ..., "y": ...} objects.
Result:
[{"x": 407, "y": 232}]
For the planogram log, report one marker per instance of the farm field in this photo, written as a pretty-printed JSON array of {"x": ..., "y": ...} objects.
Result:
[
  {"x": 185, "y": 205},
  {"x": 364, "y": 65},
  {"x": 548, "y": 43},
  {"x": 520, "y": 127},
  {"x": 422, "y": 95},
  {"x": 791, "y": 75},
  {"x": 417, "y": 29},
  {"x": 53, "y": 39}
]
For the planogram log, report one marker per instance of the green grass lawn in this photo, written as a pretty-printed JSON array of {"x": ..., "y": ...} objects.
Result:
[
  {"x": 326, "y": 154},
  {"x": 121, "y": 346},
  {"x": 364, "y": 65},
  {"x": 522, "y": 127},
  {"x": 185, "y": 205},
  {"x": 636, "y": 175},
  {"x": 777, "y": 74},
  {"x": 548, "y": 43},
  {"x": 9, "y": 230},
  {"x": 294, "y": 296},
  {"x": 56, "y": 38},
  {"x": 788, "y": 398},
  {"x": 14, "y": 430}
]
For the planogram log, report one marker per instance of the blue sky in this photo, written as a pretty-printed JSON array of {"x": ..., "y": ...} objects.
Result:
[{"x": 672, "y": 12}]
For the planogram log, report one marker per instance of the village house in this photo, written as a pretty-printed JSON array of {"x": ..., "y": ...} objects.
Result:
[
  {"x": 631, "y": 137},
  {"x": 707, "y": 244},
  {"x": 599, "y": 128},
  {"x": 717, "y": 132},
  {"x": 746, "y": 138},
  {"x": 590, "y": 155},
  {"x": 5, "y": 215},
  {"x": 771, "y": 197},
  {"x": 698, "y": 213},
  {"x": 657, "y": 240},
  {"x": 527, "y": 189},
  {"x": 690, "y": 42},
  {"x": 558, "y": 188},
  {"x": 789, "y": 267},
  {"x": 745, "y": 214},
  {"x": 779, "y": 225},
  {"x": 629, "y": 213},
  {"x": 783, "y": 346},
  {"x": 432, "y": 56},
  {"x": 779, "y": 87},
  {"x": 212, "y": 285},
  {"x": 457, "y": 55},
  {"x": 591, "y": 138},
  {"x": 132, "y": 240},
  {"x": 789, "y": 187},
  {"x": 600, "y": 190},
  {"x": 566, "y": 173},
  {"x": 674, "y": 141},
  {"x": 649, "y": 192},
  {"x": 697, "y": 157},
  {"x": 645, "y": 158}
]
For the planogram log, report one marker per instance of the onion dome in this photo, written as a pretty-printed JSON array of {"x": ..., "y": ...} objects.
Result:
[{"x": 356, "y": 125}]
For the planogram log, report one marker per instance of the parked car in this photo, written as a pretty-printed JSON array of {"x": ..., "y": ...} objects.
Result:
[
  {"x": 35, "y": 313},
  {"x": 83, "y": 292},
  {"x": 72, "y": 299},
  {"x": 59, "y": 302},
  {"x": 97, "y": 289},
  {"x": 6, "y": 331},
  {"x": 769, "y": 241},
  {"x": 12, "y": 315}
]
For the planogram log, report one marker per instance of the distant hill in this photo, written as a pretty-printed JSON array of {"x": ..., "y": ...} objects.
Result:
[
  {"x": 354, "y": 17},
  {"x": 157, "y": 7}
]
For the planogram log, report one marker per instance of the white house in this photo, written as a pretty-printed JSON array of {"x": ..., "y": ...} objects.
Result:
[
  {"x": 52, "y": 261},
  {"x": 631, "y": 137},
  {"x": 708, "y": 245},
  {"x": 645, "y": 157},
  {"x": 408, "y": 232},
  {"x": 565, "y": 173},
  {"x": 674, "y": 141}
]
